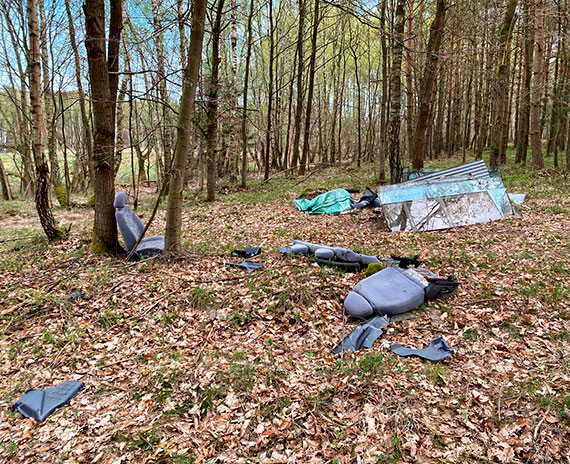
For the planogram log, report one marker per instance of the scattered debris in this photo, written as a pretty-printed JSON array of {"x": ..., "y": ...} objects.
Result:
[
  {"x": 249, "y": 252},
  {"x": 368, "y": 200},
  {"x": 461, "y": 196},
  {"x": 39, "y": 404},
  {"x": 77, "y": 295},
  {"x": 332, "y": 202},
  {"x": 364, "y": 335},
  {"x": 249, "y": 266},
  {"x": 438, "y": 349},
  {"x": 131, "y": 228}
]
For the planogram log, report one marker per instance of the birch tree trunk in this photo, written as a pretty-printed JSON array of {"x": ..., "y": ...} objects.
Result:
[{"x": 43, "y": 207}]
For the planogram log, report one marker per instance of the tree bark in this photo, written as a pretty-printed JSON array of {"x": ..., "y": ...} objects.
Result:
[
  {"x": 185, "y": 115},
  {"x": 501, "y": 86},
  {"x": 103, "y": 96},
  {"x": 43, "y": 207},
  {"x": 212, "y": 109},
  {"x": 310, "y": 90},
  {"x": 268, "y": 144},
  {"x": 395, "y": 96},
  {"x": 537, "y": 89},
  {"x": 300, "y": 66},
  {"x": 524, "y": 117},
  {"x": 245, "y": 95},
  {"x": 426, "y": 86}
]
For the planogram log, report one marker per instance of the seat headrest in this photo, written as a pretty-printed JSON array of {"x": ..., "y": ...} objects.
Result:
[{"x": 120, "y": 200}]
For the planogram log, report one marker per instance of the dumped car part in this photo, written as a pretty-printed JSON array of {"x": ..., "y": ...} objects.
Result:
[
  {"x": 39, "y": 404},
  {"x": 131, "y": 227},
  {"x": 364, "y": 335},
  {"x": 396, "y": 290},
  {"x": 438, "y": 349}
]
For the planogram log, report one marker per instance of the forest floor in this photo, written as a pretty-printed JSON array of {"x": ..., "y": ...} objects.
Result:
[{"x": 190, "y": 361}]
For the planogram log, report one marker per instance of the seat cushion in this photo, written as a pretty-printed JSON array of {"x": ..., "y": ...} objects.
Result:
[{"x": 389, "y": 291}]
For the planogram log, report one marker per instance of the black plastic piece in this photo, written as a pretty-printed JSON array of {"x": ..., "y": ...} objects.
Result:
[
  {"x": 249, "y": 252},
  {"x": 441, "y": 288},
  {"x": 406, "y": 262}
]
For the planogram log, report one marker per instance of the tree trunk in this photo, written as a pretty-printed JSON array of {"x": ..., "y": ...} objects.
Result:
[
  {"x": 426, "y": 86},
  {"x": 537, "y": 89},
  {"x": 43, "y": 207},
  {"x": 185, "y": 115},
  {"x": 268, "y": 145},
  {"x": 524, "y": 117},
  {"x": 49, "y": 119},
  {"x": 103, "y": 94},
  {"x": 501, "y": 86},
  {"x": 300, "y": 66},
  {"x": 245, "y": 91},
  {"x": 312, "y": 60},
  {"x": 395, "y": 96},
  {"x": 212, "y": 109}
]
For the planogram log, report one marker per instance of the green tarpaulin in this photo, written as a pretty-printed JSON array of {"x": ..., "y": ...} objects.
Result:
[{"x": 333, "y": 202}]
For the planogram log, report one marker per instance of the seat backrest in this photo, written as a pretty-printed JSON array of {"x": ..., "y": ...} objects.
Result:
[{"x": 129, "y": 223}]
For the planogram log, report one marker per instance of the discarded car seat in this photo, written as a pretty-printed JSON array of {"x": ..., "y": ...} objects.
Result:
[
  {"x": 364, "y": 335},
  {"x": 438, "y": 349},
  {"x": 396, "y": 290},
  {"x": 39, "y": 404},
  {"x": 131, "y": 228},
  {"x": 342, "y": 258}
]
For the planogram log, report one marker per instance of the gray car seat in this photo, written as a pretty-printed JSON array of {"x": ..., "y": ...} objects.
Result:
[
  {"x": 131, "y": 228},
  {"x": 396, "y": 290}
]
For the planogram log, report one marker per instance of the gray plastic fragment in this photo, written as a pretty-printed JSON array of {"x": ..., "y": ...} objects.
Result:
[
  {"x": 249, "y": 266},
  {"x": 39, "y": 404},
  {"x": 364, "y": 335},
  {"x": 438, "y": 349},
  {"x": 324, "y": 253}
]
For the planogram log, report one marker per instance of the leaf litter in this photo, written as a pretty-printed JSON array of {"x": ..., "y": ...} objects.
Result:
[{"x": 186, "y": 360}]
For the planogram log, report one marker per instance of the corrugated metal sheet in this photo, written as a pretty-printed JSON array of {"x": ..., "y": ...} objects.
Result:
[{"x": 473, "y": 170}]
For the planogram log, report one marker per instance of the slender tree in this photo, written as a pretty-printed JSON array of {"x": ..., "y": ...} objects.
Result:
[
  {"x": 212, "y": 109},
  {"x": 43, "y": 207},
  {"x": 426, "y": 86},
  {"x": 501, "y": 87},
  {"x": 185, "y": 115},
  {"x": 395, "y": 96},
  {"x": 245, "y": 96},
  {"x": 538, "y": 86},
  {"x": 310, "y": 90}
]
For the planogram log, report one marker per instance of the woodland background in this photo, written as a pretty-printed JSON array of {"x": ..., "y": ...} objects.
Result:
[{"x": 189, "y": 361}]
